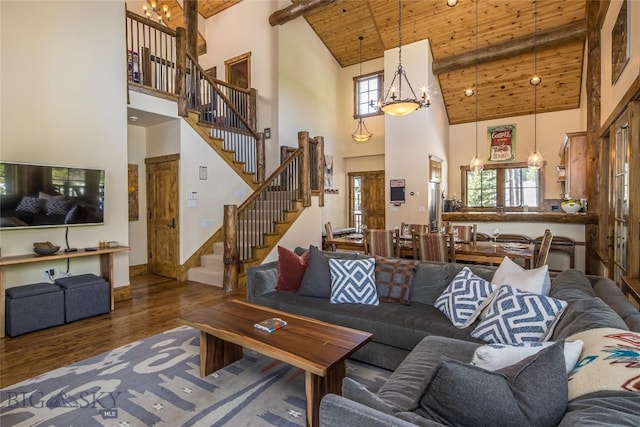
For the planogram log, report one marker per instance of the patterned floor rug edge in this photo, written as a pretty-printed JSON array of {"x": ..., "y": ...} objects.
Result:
[{"x": 156, "y": 382}]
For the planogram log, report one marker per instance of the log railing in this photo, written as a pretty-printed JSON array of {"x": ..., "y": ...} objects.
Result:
[
  {"x": 157, "y": 59},
  {"x": 247, "y": 227}
]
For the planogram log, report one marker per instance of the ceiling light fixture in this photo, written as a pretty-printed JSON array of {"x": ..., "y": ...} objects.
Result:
[
  {"x": 393, "y": 102},
  {"x": 361, "y": 134},
  {"x": 468, "y": 92},
  {"x": 535, "y": 160},
  {"x": 452, "y": 3},
  {"x": 476, "y": 165},
  {"x": 160, "y": 14}
]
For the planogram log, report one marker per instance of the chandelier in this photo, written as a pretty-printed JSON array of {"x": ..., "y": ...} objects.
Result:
[
  {"x": 393, "y": 102},
  {"x": 361, "y": 134},
  {"x": 535, "y": 160},
  {"x": 476, "y": 165},
  {"x": 152, "y": 11}
]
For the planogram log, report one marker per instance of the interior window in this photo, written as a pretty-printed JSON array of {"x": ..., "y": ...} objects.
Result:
[
  {"x": 513, "y": 186},
  {"x": 367, "y": 93}
]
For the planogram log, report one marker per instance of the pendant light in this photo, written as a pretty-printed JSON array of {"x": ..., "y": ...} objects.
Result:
[
  {"x": 393, "y": 102},
  {"x": 361, "y": 134},
  {"x": 535, "y": 160},
  {"x": 476, "y": 165}
]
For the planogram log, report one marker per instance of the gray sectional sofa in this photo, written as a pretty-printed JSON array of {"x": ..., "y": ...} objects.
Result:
[{"x": 412, "y": 340}]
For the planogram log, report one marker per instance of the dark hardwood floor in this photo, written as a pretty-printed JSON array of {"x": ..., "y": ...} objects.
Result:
[{"x": 156, "y": 305}]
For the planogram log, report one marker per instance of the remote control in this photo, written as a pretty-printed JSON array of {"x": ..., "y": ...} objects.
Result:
[
  {"x": 90, "y": 249},
  {"x": 71, "y": 250}
]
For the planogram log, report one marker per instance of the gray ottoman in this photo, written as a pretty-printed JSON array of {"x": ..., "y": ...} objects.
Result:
[
  {"x": 30, "y": 308},
  {"x": 85, "y": 295}
]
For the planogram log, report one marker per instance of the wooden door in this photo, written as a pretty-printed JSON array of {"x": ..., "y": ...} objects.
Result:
[
  {"x": 162, "y": 215},
  {"x": 373, "y": 199}
]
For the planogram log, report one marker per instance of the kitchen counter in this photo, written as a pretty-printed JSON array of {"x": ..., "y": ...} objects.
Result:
[{"x": 559, "y": 217}]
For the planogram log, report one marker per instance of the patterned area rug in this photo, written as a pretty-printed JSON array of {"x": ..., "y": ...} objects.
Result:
[{"x": 156, "y": 382}]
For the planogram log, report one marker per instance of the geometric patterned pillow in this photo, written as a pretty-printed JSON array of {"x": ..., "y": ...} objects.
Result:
[
  {"x": 393, "y": 279},
  {"x": 57, "y": 207},
  {"x": 610, "y": 360},
  {"x": 515, "y": 316},
  {"x": 464, "y": 298},
  {"x": 353, "y": 281},
  {"x": 30, "y": 205}
]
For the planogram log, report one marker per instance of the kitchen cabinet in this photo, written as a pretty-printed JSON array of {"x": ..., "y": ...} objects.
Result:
[{"x": 573, "y": 165}]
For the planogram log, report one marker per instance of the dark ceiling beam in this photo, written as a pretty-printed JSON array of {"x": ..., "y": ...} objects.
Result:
[
  {"x": 300, "y": 8},
  {"x": 544, "y": 39}
]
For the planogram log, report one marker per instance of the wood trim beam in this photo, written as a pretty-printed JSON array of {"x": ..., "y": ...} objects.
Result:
[
  {"x": 301, "y": 8},
  {"x": 544, "y": 39}
]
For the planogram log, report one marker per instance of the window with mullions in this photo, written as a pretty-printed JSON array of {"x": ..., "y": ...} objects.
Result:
[
  {"x": 366, "y": 89},
  {"x": 512, "y": 186}
]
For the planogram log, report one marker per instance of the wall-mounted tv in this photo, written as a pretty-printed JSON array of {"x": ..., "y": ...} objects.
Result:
[{"x": 50, "y": 196}]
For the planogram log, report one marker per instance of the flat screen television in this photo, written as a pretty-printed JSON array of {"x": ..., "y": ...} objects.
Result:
[{"x": 50, "y": 196}]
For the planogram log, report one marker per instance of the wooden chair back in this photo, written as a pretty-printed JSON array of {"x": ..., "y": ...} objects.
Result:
[
  {"x": 383, "y": 243},
  {"x": 545, "y": 245},
  {"x": 513, "y": 238},
  {"x": 482, "y": 237},
  {"x": 434, "y": 247},
  {"x": 410, "y": 228},
  {"x": 328, "y": 228},
  {"x": 465, "y": 233},
  {"x": 560, "y": 244}
]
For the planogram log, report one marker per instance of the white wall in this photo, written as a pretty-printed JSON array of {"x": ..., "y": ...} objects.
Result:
[
  {"x": 411, "y": 139},
  {"x": 53, "y": 112},
  {"x": 163, "y": 139},
  {"x": 551, "y": 129},
  {"x": 611, "y": 94},
  {"x": 136, "y": 153}
]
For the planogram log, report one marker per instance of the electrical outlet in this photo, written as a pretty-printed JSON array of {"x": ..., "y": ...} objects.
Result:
[{"x": 48, "y": 273}]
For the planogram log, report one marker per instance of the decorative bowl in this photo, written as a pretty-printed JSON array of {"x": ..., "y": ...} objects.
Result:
[
  {"x": 45, "y": 248},
  {"x": 571, "y": 205}
]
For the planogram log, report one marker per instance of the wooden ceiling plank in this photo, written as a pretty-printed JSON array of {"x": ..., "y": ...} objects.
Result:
[{"x": 549, "y": 38}]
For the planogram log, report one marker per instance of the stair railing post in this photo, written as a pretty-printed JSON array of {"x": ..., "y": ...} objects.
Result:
[
  {"x": 305, "y": 168},
  {"x": 320, "y": 168},
  {"x": 260, "y": 158},
  {"x": 181, "y": 71},
  {"x": 253, "y": 96},
  {"x": 230, "y": 257}
]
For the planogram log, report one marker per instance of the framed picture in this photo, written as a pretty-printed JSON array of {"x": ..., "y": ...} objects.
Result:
[
  {"x": 134, "y": 212},
  {"x": 620, "y": 42},
  {"x": 328, "y": 171},
  {"x": 238, "y": 70},
  {"x": 502, "y": 142}
]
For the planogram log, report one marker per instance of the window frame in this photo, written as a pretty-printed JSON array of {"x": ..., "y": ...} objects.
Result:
[
  {"x": 500, "y": 188},
  {"x": 356, "y": 93}
]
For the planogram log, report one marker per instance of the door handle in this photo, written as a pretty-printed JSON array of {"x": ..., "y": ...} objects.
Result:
[{"x": 173, "y": 223}]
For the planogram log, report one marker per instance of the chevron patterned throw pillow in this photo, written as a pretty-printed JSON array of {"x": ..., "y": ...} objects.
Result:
[
  {"x": 515, "y": 316},
  {"x": 464, "y": 298},
  {"x": 353, "y": 281}
]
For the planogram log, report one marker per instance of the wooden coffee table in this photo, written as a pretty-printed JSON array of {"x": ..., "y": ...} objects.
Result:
[{"x": 319, "y": 348}]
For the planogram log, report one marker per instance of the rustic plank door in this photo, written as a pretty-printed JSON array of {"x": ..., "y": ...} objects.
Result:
[
  {"x": 162, "y": 215},
  {"x": 373, "y": 199}
]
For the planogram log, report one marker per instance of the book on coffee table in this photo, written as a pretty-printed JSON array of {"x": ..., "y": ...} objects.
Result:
[{"x": 271, "y": 325}]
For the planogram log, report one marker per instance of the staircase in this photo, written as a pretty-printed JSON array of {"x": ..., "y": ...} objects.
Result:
[{"x": 211, "y": 270}]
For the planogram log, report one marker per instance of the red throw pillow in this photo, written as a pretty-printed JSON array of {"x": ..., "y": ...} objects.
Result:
[{"x": 291, "y": 268}]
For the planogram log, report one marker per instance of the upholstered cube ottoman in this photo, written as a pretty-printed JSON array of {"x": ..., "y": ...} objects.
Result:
[
  {"x": 33, "y": 307},
  {"x": 85, "y": 295}
]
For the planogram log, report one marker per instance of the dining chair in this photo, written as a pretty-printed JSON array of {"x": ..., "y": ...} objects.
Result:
[
  {"x": 513, "y": 238},
  {"x": 383, "y": 243},
  {"x": 560, "y": 244},
  {"x": 482, "y": 237},
  {"x": 329, "y": 235},
  {"x": 545, "y": 245},
  {"x": 434, "y": 247},
  {"x": 410, "y": 228},
  {"x": 465, "y": 233}
]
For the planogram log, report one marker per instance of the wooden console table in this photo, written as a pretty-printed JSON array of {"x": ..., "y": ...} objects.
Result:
[{"x": 106, "y": 269}]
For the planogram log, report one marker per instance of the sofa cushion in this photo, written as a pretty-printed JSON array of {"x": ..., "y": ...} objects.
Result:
[
  {"x": 585, "y": 314},
  {"x": 535, "y": 280},
  {"x": 497, "y": 356},
  {"x": 355, "y": 391},
  {"x": 316, "y": 281},
  {"x": 465, "y": 395},
  {"x": 466, "y": 296},
  {"x": 429, "y": 281},
  {"x": 353, "y": 281},
  {"x": 515, "y": 316},
  {"x": 571, "y": 285},
  {"x": 610, "y": 360},
  {"x": 604, "y": 408},
  {"x": 394, "y": 277},
  {"x": 291, "y": 268},
  {"x": 406, "y": 385}
]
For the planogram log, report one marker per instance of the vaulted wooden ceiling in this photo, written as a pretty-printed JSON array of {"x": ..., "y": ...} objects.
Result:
[{"x": 503, "y": 82}]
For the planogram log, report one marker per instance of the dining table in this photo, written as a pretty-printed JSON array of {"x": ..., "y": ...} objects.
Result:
[
  {"x": 355, "y": 242},
  {"x": 490, "y": 252}
]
